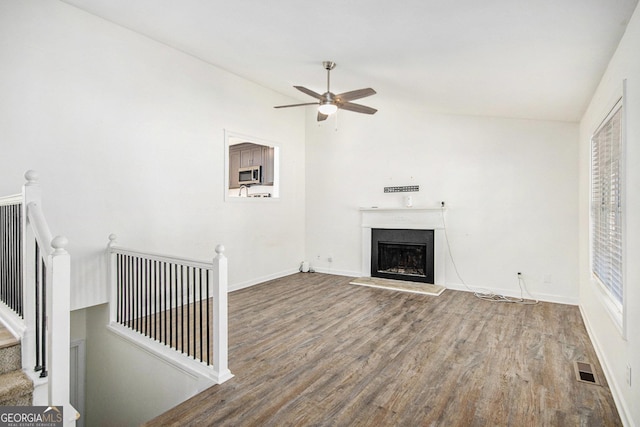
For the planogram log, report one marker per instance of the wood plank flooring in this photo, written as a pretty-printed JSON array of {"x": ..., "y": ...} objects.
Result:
[{"x": 312, "y": 350}]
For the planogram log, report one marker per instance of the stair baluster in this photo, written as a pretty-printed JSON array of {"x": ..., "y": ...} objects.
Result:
[{"x": 177, "y": 303}]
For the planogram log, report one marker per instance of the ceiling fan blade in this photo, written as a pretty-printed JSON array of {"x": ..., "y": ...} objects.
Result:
[
  {"x": 308, "y": 92},
  {"x": 296, "y": 105},
  {"x": 355, "y": 94},
  {"x": 321, "y": 116},
  {"x": 350, "y": 106}
]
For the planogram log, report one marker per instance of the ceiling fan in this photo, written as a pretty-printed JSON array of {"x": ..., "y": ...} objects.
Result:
[{"x": 328, "y": 103}]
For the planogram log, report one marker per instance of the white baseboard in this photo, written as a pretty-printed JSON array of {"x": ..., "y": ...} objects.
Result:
[
  {"x": 256, "y": 281},
  {"x": 614, "y": 386},
  {"x": 559, "y": 299},
  {"x": 40, "y": 388},
  {"x": 335, "y": 272},
  {"x": 259, "y": 280},
  {"x": 515, "y": 293}
]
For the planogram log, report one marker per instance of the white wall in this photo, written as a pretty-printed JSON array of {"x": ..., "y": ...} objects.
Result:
[
  {"x": 614, "y": 350},
  {"x": 147, "y": 385},
  {"x": 128, "y": 134},
  {"x": 510, "y": 188}
]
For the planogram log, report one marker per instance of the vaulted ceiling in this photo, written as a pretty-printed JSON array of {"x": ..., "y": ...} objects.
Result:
[{"x": 536, "y": 59}]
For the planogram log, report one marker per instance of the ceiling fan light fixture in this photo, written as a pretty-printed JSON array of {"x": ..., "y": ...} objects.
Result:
[{"x": 327, "y": 108}]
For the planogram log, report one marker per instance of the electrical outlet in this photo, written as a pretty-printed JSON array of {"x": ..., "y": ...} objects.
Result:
[
  {"x": 318, "y": 257},
  {"x": 629, "y": 375},
  {"x": 330, "y": 258}
]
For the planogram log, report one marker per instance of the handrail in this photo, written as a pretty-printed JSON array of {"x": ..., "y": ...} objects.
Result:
[
  {"x": 10, "y": 200},
  {"x": 40, "y": 228},
  {"x": 55, "y": 289},
  {"x": 160, "y": 257},
  {"x": 163, "y": 302}
]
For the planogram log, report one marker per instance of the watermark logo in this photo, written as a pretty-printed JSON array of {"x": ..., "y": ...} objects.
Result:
[{"x": 31, "y": 416}]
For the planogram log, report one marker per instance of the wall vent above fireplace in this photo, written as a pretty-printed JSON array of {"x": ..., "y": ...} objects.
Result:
[{"x": 402, "y": 189}]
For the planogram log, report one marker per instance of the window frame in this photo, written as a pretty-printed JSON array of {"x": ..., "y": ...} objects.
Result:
[{"x": 616, "y": 309}]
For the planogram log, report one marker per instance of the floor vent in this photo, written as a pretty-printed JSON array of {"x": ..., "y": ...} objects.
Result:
[{"x": 585, "y": 373}]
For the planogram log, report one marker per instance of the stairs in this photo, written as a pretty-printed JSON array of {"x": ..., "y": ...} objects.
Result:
[{"x": 16, "y": 389}]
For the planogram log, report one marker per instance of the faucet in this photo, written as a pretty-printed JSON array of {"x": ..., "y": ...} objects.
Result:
[{"x": 240, "y": 192}]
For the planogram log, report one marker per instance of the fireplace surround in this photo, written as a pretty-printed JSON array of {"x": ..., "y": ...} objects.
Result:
[{"x": 409, "y": 218}]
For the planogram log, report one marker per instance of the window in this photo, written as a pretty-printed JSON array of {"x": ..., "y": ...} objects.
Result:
[
  {"x": 252, "y": 168},
  {"x": 606, "y": 209}
]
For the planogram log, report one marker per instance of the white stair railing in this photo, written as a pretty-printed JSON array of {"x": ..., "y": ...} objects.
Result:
[
  {"x": 174, "y": 307},
  {"x": 11, "y": 269},
  {"x": 44, "y": 324}
]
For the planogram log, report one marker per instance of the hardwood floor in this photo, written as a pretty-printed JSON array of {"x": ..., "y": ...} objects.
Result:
[{"x": 310, "y": 349}]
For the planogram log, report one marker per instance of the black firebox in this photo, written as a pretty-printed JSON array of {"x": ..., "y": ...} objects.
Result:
[{"x": 402, "y": 254}]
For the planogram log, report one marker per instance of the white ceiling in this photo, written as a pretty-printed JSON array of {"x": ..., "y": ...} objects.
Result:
[{"x": 536, "y": 59}]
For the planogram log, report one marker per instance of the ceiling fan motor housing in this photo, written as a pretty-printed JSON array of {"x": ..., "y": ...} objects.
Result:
[{"x": 329, "y": 65}]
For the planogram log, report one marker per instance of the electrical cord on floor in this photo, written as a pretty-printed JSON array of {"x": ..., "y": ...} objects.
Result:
[
  {"x": 486, "y": 295},
  {"x": 523, "y": 284},
  {"x": 502, "y": 298}
]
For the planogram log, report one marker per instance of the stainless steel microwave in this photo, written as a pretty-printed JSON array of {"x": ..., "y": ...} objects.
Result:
[{"x": 250, "y": 175}]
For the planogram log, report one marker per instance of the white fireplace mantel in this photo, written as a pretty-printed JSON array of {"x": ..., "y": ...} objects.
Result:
[
  {"x": 414, "y": 217},
  {"x": 402, "y": 208},
  {"x": 421, "y": 218}
]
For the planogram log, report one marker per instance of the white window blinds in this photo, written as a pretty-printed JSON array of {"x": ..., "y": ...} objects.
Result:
[{"x": 606, "y": 204}]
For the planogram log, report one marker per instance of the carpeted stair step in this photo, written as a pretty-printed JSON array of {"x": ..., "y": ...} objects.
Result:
[
  {"x": 10, "y": 352},
  {"x": 16, "y": 389}
]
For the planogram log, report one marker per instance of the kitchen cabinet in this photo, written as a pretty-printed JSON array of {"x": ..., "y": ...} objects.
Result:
[
  {"x": 251, "y": 156},
  {"x": 248, "y": 154}
]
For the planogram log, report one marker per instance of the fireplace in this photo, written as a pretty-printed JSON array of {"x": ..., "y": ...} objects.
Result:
[
  {"x": 403, "y": 254},
  {"x": 403, "y": 218}
]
